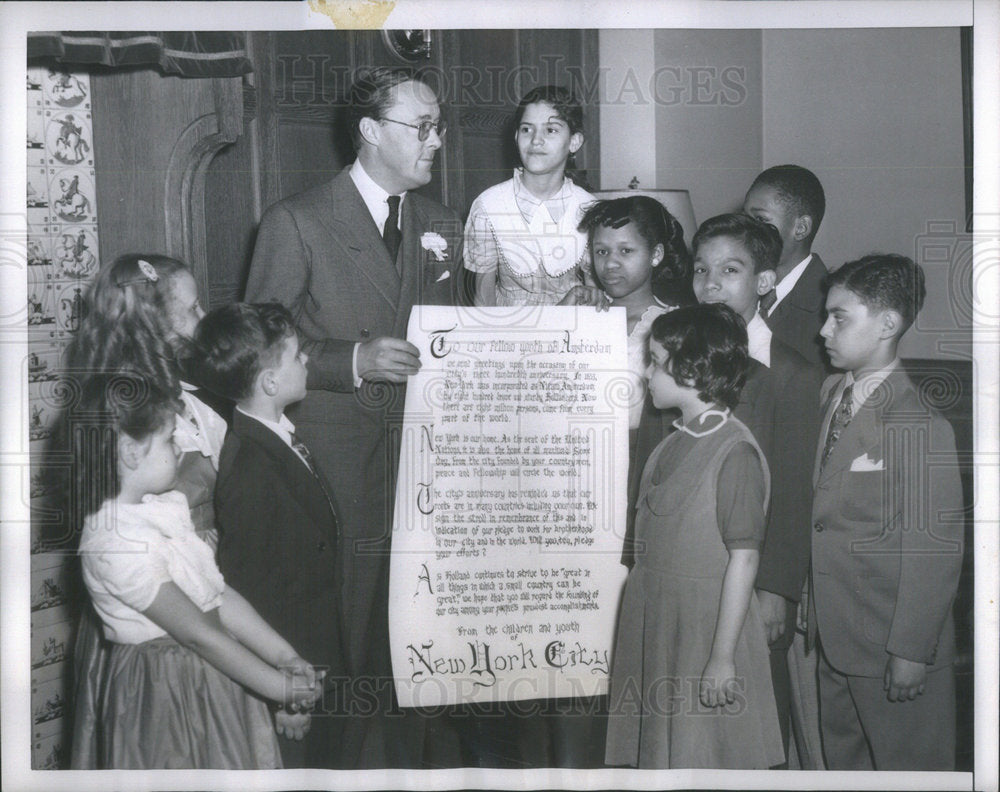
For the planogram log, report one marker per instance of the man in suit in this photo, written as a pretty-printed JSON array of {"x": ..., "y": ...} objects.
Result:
[
  {"x": 350, "y": 258},
  {"x": 886, "y": 536},
  {"x": 277, "y": 515},
  {"x": 791, "y": 198}
]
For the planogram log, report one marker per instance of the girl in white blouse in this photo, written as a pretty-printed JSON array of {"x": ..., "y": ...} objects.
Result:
[
  {"x": 521, "y": 238},
  {"x": 187, "y": 652}
]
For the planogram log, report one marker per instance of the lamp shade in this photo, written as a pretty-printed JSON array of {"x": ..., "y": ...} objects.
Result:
[{"x": 677, "y": 202}]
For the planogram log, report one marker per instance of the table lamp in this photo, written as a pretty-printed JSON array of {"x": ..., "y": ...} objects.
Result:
[{"x": 677, "y": 202}]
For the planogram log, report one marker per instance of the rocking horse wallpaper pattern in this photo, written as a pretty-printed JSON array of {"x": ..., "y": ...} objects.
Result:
[{"x": 62, "y": 255}]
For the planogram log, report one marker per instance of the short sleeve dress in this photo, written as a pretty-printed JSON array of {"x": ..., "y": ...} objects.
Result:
[
  {"x": 533, "y": 246},
  {"x": 199, "y": 434},
  {"x": 160, "y": 705},
  {"x": 669, "y": 611}
]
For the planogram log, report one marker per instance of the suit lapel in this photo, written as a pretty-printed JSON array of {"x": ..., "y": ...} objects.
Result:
[
  {"x": 351, "y": 226},
  {"x": 823, "y": 430},
  {"x": 856, "y": 439},
  {"x": 818, "y": 269},
  {"x": 863, "y": 432},
  {"x": 806, "y": 295},
  {"x": 308, "y": 490}
]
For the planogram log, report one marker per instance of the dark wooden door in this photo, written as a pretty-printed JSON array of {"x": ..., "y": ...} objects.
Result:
[{"x": 490, "y": 70}]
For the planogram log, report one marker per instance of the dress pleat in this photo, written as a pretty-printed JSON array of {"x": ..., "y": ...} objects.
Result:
[{"x": 164, "y": 707}]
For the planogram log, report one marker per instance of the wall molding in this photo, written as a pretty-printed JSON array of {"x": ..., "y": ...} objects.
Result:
[{"x": 184, "y": 198}]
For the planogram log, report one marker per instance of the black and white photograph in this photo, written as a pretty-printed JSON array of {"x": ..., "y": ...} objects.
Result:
[{"x": 407, "y": 394}]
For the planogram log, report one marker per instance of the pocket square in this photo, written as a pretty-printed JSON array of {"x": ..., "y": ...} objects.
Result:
[
  {"x": 865, "y": 464},
  {"x": 443, "y": 276}
]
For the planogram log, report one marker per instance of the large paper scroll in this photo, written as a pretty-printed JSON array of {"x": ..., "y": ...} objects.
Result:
[{"x": 510, "y": 505}]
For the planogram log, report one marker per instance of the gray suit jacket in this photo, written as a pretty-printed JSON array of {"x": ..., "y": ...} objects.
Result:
[
  {"x": 320, "y": 254},
  {"x": 887, "y": 533}
]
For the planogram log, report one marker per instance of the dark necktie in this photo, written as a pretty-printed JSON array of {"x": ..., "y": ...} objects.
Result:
[
  {"x": 841, "y": 418},
  {"x": 391, "y": 234},
  {"x": 303, "y": 451},
  {"x": 767, "y": 301}
]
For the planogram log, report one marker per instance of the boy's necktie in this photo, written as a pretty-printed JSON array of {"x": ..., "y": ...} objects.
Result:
[
  {"x": 841, "y": 417},
  {"x": 391, "y": 234},
  {"x": 303, "y": 451}
]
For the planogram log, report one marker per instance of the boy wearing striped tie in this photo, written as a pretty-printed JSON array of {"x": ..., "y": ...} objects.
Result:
[{"x": 886, "y": 536}]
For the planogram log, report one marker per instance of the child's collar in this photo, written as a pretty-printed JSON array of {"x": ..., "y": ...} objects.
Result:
[
  {"x": 869, "y": 382},
  {"x": 716, "y": 417},
  {"x": 281, "y": 426}
]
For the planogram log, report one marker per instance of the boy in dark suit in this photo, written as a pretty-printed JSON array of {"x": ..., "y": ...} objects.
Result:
[
  {"x": 886, "y": 536},
  {"x": 734, "y": 263},
  {"x": 277, "y": 516},
  {"x": 791, "y": 198}
]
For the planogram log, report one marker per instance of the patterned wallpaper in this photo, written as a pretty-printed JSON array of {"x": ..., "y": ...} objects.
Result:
[{"x": 62, "y": 257}]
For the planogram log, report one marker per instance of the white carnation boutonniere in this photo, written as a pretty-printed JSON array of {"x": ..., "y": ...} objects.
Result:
[{"x": 436, "y": 244}]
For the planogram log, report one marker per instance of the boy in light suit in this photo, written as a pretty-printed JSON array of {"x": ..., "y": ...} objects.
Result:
[{"x": 886, "y": 536}]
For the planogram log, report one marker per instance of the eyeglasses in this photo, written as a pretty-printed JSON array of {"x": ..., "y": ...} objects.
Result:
[{"x": 423, "y": 128}]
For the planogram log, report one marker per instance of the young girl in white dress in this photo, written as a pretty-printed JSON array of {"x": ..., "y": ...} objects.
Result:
[
  {"x": 521, "y": 238},
  {"x": 191, "y": 662},
  {"x": 140, "y": 313}
]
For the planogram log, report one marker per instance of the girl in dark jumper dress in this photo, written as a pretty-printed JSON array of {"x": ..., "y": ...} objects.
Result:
[{"x": 690, "y": 677}]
